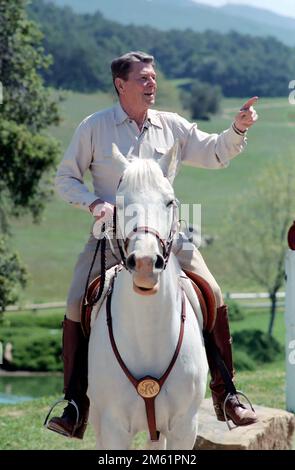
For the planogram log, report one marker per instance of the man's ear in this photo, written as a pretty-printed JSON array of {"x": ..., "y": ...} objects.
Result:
[
  {"x": 169, "y": 162},
  {"x": 119, "y": 83}
]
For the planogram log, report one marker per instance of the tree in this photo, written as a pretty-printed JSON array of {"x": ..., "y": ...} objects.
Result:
[
  {"x": 84, "y": 45},
  {"x": 256, "y": 237},
  {"x": 27, "y": 154},
  {"x": 202, "y": 100},
  {"x": 12, "y": 275}
]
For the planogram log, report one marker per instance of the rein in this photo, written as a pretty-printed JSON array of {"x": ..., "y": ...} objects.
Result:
[{"x": 147, "y": 387}]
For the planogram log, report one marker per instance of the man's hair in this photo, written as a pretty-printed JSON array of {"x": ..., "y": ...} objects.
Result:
[{"x": 121, "y": 66}]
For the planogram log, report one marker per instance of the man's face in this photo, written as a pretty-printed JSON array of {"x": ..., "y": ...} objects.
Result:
[{"x": 139, "y": 90}]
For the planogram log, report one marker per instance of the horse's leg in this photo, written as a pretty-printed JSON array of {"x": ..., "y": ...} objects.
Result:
[
  {"x": 183, "y": 435},
  {"x": 112, "y": 434},
  {"x": 99, "y": 445},
  {"x": 94, "y": 418},
  {"x": 161, "y": 444}
]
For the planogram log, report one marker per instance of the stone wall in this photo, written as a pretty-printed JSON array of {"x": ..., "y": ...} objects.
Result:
[{"x": 273, "y": 431}]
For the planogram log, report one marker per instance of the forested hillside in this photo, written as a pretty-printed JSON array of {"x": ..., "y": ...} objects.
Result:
[
  {"x": 83, "y": 46},
  {"x": 183, "y": 14}
]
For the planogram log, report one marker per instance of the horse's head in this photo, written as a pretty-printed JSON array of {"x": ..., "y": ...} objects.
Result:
[{"x": 146, "y": 217}]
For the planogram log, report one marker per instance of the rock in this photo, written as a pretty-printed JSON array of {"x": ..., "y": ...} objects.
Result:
[{"x": 274, "y": 430}]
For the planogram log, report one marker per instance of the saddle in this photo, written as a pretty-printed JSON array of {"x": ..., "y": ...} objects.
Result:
[
  {"x": 203, "y": 290},
  {"x": 206, "y": 299}
]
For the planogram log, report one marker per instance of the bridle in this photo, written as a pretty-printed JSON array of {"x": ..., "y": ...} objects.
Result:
[
  {"x": 122, "y": 244},
  {"x": 166, "y": 245}
]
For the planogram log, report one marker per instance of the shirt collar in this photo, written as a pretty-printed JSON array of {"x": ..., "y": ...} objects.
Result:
[
  {"x": 121, "y": 116},
  {"x": 154, "y": 118}
]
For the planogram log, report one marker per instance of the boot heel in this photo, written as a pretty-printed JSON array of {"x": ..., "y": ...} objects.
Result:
[{"x": 79, "y": 433}]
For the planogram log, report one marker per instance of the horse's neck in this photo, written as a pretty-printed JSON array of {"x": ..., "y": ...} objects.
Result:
[{"x": 143, "y": 308}]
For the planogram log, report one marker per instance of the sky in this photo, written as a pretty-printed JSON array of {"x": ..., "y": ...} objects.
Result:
[{"x": 283, "y": 7}]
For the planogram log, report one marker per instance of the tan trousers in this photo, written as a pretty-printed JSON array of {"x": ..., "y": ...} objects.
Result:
[{"x": 186, "y": 252}]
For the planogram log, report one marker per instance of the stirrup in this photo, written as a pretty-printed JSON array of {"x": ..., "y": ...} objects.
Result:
[
  {"x": 238, "y": 392},
  {"x": 70, "y": 402}
]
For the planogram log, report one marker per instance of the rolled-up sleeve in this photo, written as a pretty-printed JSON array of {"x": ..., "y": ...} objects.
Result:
[
  {"x": 205, "y": 150},
  {"x": 69, "y": 181}
]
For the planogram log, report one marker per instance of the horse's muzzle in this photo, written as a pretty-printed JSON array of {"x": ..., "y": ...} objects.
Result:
[
  {"x": 146, "y": 264},
  {"x": 145, "y": 271}
]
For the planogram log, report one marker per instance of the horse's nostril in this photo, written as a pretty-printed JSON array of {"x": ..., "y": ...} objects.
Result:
[
  {"x": 131, "y": 262},
  {"x": 159, "y": 264}
]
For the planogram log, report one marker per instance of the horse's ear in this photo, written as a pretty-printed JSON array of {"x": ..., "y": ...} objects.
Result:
[
  {"x": 169, "y": 162},
  {"x": 119, "y": 158}
]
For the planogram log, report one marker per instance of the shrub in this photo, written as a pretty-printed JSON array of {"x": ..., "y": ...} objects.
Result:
[
  {"x": 242, "y": 361},
  {"x": 202, "y": 100},
  {"x": 32, "y": 320},
  {"x": 261, "y": 347},
  {"x": 35, "y": 350},
  {"x": 235, "y": 311}
]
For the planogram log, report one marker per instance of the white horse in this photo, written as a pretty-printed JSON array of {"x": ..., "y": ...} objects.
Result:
[{"x": 147, "y": 307}]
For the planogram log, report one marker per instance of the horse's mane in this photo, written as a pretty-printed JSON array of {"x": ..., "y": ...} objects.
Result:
[{"x": 144, "y": 174}]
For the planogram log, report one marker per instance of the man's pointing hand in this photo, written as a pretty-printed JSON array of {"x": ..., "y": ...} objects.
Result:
[{"x": 247, "y": 115}]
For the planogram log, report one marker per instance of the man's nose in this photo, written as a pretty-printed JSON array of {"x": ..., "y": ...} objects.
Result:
[{"x": 152, "y": 81}]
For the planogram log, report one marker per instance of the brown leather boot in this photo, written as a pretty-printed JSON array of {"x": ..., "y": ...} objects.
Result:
[
  {"x": 221, "y": 340},
  {"x": 74, "y": 419}
]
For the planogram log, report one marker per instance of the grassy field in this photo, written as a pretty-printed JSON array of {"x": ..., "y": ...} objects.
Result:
[
  {"x": 265, "y": 386},
  {"x": 50, "y": 249}
]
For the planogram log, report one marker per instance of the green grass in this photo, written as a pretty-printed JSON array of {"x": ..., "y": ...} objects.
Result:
[
  {"x": 264, "y": 386},
  {"x": 259, "y": 319},
  {"x": 51, "y": 248},
  {"x": 21, "y": 427}
]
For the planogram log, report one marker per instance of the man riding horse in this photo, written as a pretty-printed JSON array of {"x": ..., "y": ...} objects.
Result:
[{"x": 139, "y": 131}]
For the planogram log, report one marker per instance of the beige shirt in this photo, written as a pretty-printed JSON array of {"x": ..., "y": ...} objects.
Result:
[{"x": 91, "y": 148}]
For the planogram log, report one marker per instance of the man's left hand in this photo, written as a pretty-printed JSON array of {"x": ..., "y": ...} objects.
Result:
[{"x": 247, "y": 115}]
